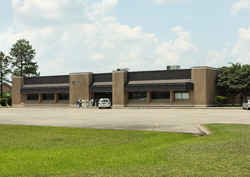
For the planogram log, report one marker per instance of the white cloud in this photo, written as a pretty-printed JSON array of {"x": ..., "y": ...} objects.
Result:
[
  {"x": 169, "y": 1},
  {"x": 105, "y": 6},
  {"x": 34, "y": 13},
  {"x": 229, "y": 44},
  {"x": 100, "y": 8},
  {"x": 171, "y": 52},
  {"x": 214, "y": 58},
  {"x": 241, "y": 4},
  {"x": 92, "y": 41},
  {"x": 241, "y": 50}
]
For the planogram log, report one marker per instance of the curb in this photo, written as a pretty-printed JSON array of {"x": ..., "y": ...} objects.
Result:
[{"x": 203, "y": 130}]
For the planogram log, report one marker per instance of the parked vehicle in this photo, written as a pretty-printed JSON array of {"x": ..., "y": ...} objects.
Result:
[
  {"x": 246, "y": 105},
  {"x": 104, "y": 103}
]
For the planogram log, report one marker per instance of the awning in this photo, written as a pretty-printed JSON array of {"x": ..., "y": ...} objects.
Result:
[
  {"x": 160, "y": 85},
  {"x": 46, "y": 88}
]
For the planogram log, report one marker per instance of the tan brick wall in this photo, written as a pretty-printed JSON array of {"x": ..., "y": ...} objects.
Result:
[
  {"x": 119, "y": 78},
  {"x": 23, "y": 97},
  {"x": 205, "y": 88},
  {"x": 40, "y": 98},
  {"x": 17, "y": 97},
  {"x": 6, "y": 88},
  {"x": 171, "y": 97},
  {"x": 212, "y": 90},
  {"x": 148, "y": 97},
  {"x": 56, "y": 98},
  {"x": 191, "y": 96},
  {"x": 198, "y": 76},
  {"x": 79, "y": 87}
]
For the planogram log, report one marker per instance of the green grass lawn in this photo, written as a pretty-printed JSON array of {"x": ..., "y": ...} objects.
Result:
[{"x": 54, "y": 151}]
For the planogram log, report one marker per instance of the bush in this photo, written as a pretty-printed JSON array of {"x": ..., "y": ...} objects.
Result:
[
  {"x": 9, "y": 101},
  {"x": 219, "y": 100},
  {"x": 7, "y": 95},
  {"x": 3, "y": 101}
]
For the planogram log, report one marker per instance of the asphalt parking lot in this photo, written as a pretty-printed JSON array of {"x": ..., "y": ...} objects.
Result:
[{"x": 169, "y": 120}]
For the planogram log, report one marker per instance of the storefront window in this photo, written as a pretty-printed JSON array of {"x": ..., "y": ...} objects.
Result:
[
  {"x": 177, "y": 96},
  {"x": 138, "y": 95},
  {"x": 63, "y": 96},
  {"x": 160, "y": 95},
  {"x": 32, "y": 96},
  {"x": 48, "y": 96},
  {"x": 185, "y": 96},
  {"x": 181, "y": 95}
]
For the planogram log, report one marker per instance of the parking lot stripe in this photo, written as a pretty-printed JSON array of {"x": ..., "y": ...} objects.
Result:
[
  {"x": 112, "y": 125},
  {"x": 155, "y": 127}
]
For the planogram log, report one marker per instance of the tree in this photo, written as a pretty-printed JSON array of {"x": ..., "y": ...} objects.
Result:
[
  {"x": 245, "y": 80},
  {"x": 4, "y": 70},
  {"x": 230, "y": 79},
  {"x": 22, "y": 55}
]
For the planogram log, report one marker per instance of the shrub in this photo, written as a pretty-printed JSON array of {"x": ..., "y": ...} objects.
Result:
[
  {"x": 3, "y": 101},
  {"x": 7, "y": 95},
  {"x": 219, "y": 100},
  {"x": 9, "y": 101}
]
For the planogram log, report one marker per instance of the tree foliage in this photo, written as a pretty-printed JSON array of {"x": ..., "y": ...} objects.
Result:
[
  {"x": 245, "y": 79},
  {"x": 4, "y": 70},
  {"x": 4, "y": 66},
  {"x": 22, "y": 55},
  {"x": 234, "y": 79}
]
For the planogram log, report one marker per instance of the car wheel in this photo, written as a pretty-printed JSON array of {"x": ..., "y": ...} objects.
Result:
[{"x": 99, "y": 108}]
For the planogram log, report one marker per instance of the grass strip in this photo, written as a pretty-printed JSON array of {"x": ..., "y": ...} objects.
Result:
[{"x": 56, "y": 151}]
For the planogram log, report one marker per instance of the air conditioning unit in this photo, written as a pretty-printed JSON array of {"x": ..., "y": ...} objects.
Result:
[
  {"x": 122, "y": 69},
  {"x": 173, "y": 67}
]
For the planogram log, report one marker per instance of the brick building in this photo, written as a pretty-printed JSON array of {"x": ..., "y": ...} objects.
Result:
[
  {"x": 179, "y": 87},
  {"x": 6, "y": 88}
]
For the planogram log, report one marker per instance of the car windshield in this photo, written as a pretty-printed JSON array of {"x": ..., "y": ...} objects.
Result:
[
  {"x": 104, "y": 100},
  {"x": 248, "y": 101}
]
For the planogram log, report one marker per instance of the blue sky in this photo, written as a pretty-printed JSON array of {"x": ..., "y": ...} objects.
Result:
[{"x": 102, "y": 35}]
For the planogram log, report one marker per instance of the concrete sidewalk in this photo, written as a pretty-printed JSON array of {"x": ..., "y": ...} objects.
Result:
[{"x": 169, "y": 120}]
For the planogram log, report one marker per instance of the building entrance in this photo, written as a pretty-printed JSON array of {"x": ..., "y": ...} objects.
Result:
[{"x": 99, "y": 95}]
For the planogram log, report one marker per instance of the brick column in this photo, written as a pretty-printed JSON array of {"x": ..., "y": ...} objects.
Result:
[
  {"x": 148, "y": 97},
  {"x": 17, "y": 97},
  {"x": 79, "y": 87},
  {"x": 171, "y": 96},
  {"x": 56, "y": 98},
  {"x": 40, "y": 98},
  {"x": 205, "y": 88},
  {"x": 119, "y": 78}
]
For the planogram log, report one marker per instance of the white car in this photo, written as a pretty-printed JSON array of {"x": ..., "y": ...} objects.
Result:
[
  {"x": 104, "y": 103},
  {"x": 246, "y": 105}
]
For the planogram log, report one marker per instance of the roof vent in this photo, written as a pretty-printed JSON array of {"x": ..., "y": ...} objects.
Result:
[
  {"x": 173, "y": 67},
  {"x": 122, "y": 69}
]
